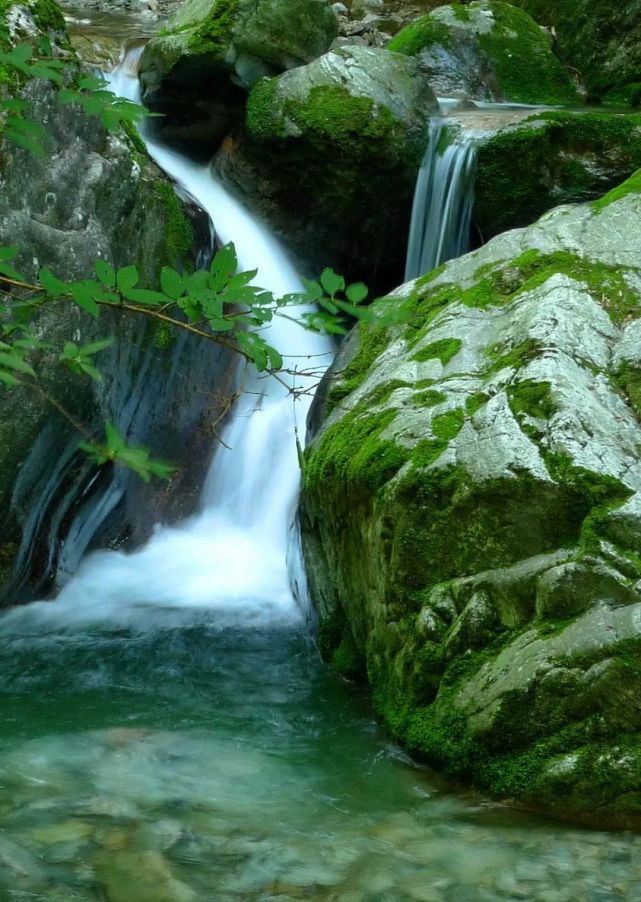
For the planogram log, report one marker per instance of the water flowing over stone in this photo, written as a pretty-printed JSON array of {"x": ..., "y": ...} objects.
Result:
[
  {"x": 440, "y": 228},
  {"x": 232, "y": 557}
]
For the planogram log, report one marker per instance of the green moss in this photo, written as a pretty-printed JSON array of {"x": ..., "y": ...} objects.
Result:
[
  {"x": 346, "y": 659},
  {"x": 475, "y": 402},
  {"x": 462, "y": 13},
  {"x": 48, "y": 15},
  {"x": 515, "y": 358},
  {"x": 372, "y": 341},
  {"x": 354, "y": 453},
  {"x": 631, "y": 186},
  {"x": 381, "y": 393},
  {"x": 623, "y": 95},
  {"x": 335, "y": 116},
  {"x": 214, "y": 34},
  {"x": 555, "y": 157},
  {"x": 262, "y": 109},
  {"x": 524, "y": 63},
  {"x": 444, "y": 350},
  {"x": 532, "y": 399},
  {"x": 429, "y": 398},
  {"x": 179, "y": 232},
  {"x": 628, "y": 380},
  {"x": 447, "y": 426},
  {"x": 420, "y": 35},
  {"x": 134, "y": 140}
]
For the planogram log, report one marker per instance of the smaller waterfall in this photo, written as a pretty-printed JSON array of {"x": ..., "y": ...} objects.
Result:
[{"x": 442, "y": 201}]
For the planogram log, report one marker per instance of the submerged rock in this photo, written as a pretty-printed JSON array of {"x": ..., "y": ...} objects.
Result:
[
  {"x": 486, "y": 50},
  {"x": 198, "y": 71},
  {"x": 330, "y": 154},
  {"x": 472, "y": 512},
  {"x": 145, "y": 876}
]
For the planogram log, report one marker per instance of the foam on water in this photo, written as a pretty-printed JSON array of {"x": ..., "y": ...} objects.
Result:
[{"x": 231, "y": 559}]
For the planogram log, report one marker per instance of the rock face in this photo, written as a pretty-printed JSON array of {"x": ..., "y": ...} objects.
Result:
[
  {"x": 601, "y": 40},
  {"x": 330, "y": 154},
  {"x": 487, "y": 50},
  {"x": 93, "y": 196},
  {"x": 472, "y": 513},
  {"x": 552, "y": 158},
  {"x": 198, "y": 71}
]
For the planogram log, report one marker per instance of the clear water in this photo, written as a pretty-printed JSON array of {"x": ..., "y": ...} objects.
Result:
[
  {"x": 189, "y": 762},
  {"x": 168, "y": 734}
]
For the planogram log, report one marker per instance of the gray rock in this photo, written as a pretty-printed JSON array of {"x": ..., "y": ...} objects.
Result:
[
  {"x": 471, "y": 511},
  {"x": 486, "y": 50},
  {"x": 198, "y": 71},
  {"x": 94, "y": 196},
  {"x": 311, "y": 134}
]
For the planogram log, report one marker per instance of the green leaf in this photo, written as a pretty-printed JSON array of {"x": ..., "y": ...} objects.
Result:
[
  {"x": 115, "y": 441},
  {"x": 357, "y": 292},
  {"x": 126, "y": 278},
  {"x": 90, "y": 370},
  {"x": 54, "y": 286},
  {"x": 16, "y": 362},
  {"x": 313, "y": 290},
  {"x": 83, "y": 295},
  {"x": 8, "y": 378},
  {"x": 106, "y": 273},
  {"x": 95, "y": 347},
  {"x": 171, "y": 282},
  {"x": 144, "y": 296},
  {"x": 25, "y": 141},
  {"x": 331, "y": 282}
]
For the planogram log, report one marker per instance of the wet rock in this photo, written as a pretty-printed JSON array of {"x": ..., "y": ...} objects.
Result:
[
  {"x": 198, "y": 71},
  {"x": 462, "y": 543},
  {"x": 144, "y": 876},
  {"x": 310, "y": 135},
  {"x": 486, "y": 50}
]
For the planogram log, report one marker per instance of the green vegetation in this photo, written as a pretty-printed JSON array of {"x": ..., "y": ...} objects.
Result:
[
  {"x": 553, "y": 158},
  {"x": 419, "y": 36}
]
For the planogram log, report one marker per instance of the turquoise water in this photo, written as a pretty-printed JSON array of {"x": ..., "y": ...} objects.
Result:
[{"x": 189, "y": 763}]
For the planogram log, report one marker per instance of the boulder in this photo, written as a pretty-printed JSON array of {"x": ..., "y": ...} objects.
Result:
[
  {"x": 551, "y": 158},
  {"x": 94, "y": 195},
  {"x": 486, "y": 50},
  {"x": 599, "y": 39},
  {"x": 330, "y": 153},
  {"x": 471, "y": 512},
  {"x": 198, "y": 71}
]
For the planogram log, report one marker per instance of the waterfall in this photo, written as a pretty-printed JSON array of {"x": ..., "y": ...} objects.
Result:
[
  {"x": 443, "y": 200},
  {"x": 231, "y": 560}
]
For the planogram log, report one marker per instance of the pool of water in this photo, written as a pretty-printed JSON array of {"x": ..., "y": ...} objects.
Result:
[{"x": 186, "y": 762}]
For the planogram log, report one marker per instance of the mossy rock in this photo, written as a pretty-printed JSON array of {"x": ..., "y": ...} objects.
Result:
[
  {"x": 103, "y": 199},
  {"x": 197, "y": 72},
  {"x": 471, "y": 512},
  {"x": 330, "y": 155},
  {"x": 487, "y": 50},
  {"x": 599, "y": 39},
  {"x": 552, "y": 158}
]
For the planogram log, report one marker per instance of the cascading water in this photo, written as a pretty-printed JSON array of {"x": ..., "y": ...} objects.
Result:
[
  {"x": 232, "y": 557},
  {"x": 443, "y": 200},
  {"x": 148, "y": 754}
]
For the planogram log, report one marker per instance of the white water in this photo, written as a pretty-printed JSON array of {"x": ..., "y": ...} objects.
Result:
[
  {"x": 443, "y": 202},
  {"x": 231, "y": 560}
]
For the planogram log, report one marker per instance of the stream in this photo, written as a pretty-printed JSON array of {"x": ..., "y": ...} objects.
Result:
[{"x": 168, "y": 732}]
